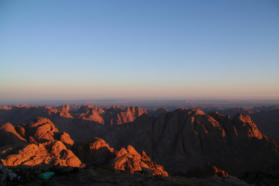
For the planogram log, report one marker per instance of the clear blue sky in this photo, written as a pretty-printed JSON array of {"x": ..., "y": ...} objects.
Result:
[{"x": 139, "y": 49}]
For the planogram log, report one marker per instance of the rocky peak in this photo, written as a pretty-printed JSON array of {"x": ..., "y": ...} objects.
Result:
[
  {"x": 42, "y": 129},
  {"x": 100, "y": 153},
  {"x": 196, "y": 112},
  {"x": 245, "y": 126},
  {"x": 244, "y": 118},
  {"x": 51, "y": 110},
  {"x": 131, "y": 161},
  {"x": 92, "y": 114},
  {"x": 64, "y": 111},
  {"x": 66, "y": 139},
  {"x": 44, "y": 147},
  {"x": 9, "y": 128},
  {"x": 98, "y": 144}
]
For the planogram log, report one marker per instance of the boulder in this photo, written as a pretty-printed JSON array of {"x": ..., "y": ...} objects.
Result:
[
  {"x": 42, "y": 129},
  {"x": 9, "y": 135},
  {"x": 66, "y": 139},
  {"x": 100, "y": 152}
]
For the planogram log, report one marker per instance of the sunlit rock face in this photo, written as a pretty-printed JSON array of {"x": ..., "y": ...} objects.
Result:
[
  {"x": 99, "y": 144},
  {"x": 100, "y": 153},
  {"x": 246, "y": 127},
  {"x": 66, "y": 139},
  {"x": 128, "y": 159},
  {"x": 42, "y": 129},
  {"x": 52, "y": 153},
  {"x": 9, "y": 129},
  {"x": 91, "y": 113},
  {"x": 64, "y": 111},
  {"x": 123, "y": 115},
  {"x": 63, "y": 156},
  {"x": 44, "y": 145}
]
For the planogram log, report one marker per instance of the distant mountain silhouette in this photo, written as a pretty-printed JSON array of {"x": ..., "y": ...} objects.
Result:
[{"x": 113, "y": 115}]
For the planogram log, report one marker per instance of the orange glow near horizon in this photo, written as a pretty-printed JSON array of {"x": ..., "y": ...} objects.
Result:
[{"x": 49, "y": 92}]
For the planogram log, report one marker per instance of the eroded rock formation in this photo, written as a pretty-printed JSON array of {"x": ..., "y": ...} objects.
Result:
[
  {"x": 42, "y": 146},
  {"x": 125, "y": 159},
  {"x": 128, "y": 159},
  {"x": 185, "y": 141}
]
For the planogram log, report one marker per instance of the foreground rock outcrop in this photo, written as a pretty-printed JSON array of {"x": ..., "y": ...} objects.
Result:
[
  {"x": 41, "y": 130},
  {"x": 52, "y": 154},
  {"x": 125, "y": 159},
  {"x": 44, "y": 145},
  {"x": 100, "y": 153},
  {"x": 128, "y": 159}
]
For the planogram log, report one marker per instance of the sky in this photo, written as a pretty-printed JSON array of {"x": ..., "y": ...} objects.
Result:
[{"x": 139, "y": 49}]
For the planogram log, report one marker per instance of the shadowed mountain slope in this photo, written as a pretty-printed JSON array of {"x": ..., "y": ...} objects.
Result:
[{"x": 184, "y": 140}]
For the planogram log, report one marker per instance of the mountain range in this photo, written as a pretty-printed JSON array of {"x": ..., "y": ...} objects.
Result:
[{"x": 236, "y": 144}]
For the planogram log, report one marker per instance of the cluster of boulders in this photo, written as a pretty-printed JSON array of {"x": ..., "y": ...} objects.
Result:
[
  {"x": 128, "y": 159},
  {"x": 125, "y": 159},
  {"x": 49, "y": 153},
  {"x": 43, "y": 145}
]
